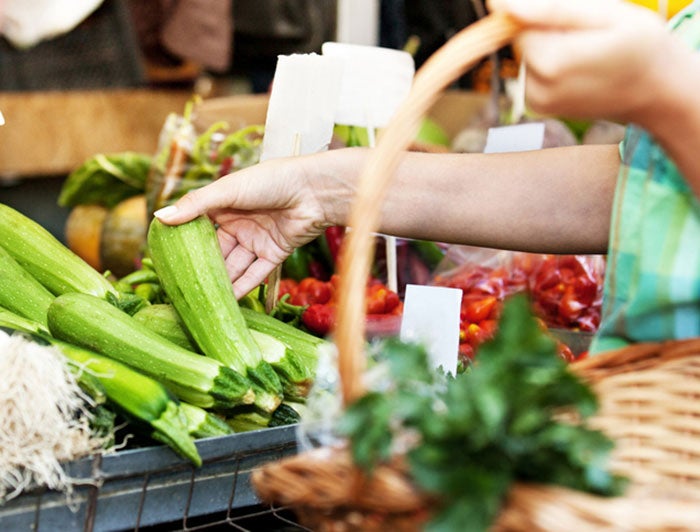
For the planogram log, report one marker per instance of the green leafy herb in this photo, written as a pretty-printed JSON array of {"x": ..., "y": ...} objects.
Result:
[
  {"x": 106, "y": 180},
  {"x": 481, "y": 431}
]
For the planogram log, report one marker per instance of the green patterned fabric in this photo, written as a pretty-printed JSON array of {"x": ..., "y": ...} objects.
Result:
[{"x": 652, "y": 280}]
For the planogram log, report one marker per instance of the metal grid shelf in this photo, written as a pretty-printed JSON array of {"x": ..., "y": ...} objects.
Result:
[{"x": 140, "y": 488}]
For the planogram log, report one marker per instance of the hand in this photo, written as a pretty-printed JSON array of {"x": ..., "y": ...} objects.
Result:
[
  {"x": 263, "y": 213},
  {"x": 592, "y": 58}
]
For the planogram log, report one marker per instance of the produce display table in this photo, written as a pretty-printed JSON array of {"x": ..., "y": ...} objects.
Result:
[
  {"x": 151, "y": 486},
  {"x": 133, "y": 489}
]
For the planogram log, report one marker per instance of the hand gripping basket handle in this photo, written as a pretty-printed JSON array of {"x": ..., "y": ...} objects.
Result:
[{"x": 452, "y": 60}]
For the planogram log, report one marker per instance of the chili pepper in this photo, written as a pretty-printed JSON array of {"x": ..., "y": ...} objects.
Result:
[
  {"x": 287, "y": 312},
  {"x": 140, "y": 276},
  {"x": 319, "y": 319},
  {"x": 430, "y": 252},
  {"x": 296, "y": 266},
  {"x": 317, "y": 290},
  {"x": 301, "y": 299},
  {"x": 479, "y": 309},
  {"x": 252, "y": 300},
  {"x": 566, "y": 292},
  {"x": 226, "y": 166}
]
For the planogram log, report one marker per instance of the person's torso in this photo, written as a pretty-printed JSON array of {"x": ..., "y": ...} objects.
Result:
[{"x": 652, "y": 280}]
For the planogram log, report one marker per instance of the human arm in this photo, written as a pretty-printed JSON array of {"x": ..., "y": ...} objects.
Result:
[
  {"x": 611, "y": 59},
  {"x": 554, "y": 200}
]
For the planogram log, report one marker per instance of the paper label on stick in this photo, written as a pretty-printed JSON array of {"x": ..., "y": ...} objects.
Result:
[
  {"x": 431, "y": 317},
  {"x": 301, "y": 110},
  {"x": 518, "y": 137},
  {"x": 375, "y": 82}
]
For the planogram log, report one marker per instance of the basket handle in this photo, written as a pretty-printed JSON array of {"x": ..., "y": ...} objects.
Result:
[{"x": 452, "y": 60}]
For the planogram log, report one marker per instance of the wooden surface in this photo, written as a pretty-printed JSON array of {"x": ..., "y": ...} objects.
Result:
[{"x": 51, "y": 133}]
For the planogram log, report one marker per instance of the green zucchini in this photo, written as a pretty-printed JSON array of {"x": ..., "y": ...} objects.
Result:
[
  {"x": 163, "y": 319},
  {"x": 192, "y": 272},
  {"x": 204, "y": 424},
  {"x": 284, "y": 415},
  {"x": 136, "y": 395},
  {"x": 45, "y": 258},
  {"x": 12, "y": 320},
  {"x": 305, "y": 345},
  {"x": 295, "y": 372},
  {"x": 95, "y": 324},
  {"x": 245, "y": 419},
  {"x": 20, "y": 292}
]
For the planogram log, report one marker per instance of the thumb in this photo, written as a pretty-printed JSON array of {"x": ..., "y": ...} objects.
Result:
[
  {"x": 195, "y": 203},
  {"x": 183, "y": 210}
]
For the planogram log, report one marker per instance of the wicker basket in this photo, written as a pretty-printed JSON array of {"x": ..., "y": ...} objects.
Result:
[{"x": 648, "y": 393}]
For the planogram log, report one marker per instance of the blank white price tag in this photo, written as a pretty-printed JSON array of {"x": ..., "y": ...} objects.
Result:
[
  {"x": 518, "y": 137},
  {"x": 375, "y": 82},
  {"x": 431, "y": 317},
  {"x": 301, "y": 110}
]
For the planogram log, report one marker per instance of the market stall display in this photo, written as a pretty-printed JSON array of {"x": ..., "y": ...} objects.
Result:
[
  {"x": 165, "y": 393},
  {"x": 362, "y": 482},
  {"x": 153, "y": 308}
]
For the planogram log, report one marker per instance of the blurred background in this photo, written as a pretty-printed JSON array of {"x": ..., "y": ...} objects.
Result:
[
  {"x": 101, "y": 76},
  {"x": 80, "y": 78}
]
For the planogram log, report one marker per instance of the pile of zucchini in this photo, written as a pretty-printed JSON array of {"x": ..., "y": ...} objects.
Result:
[{"x": 197, "y": 365}]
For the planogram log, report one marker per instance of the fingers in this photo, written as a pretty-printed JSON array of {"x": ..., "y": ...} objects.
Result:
[
  {"x": 188, "y": 207},
  {"x": 220, "y": 194},
  {"x": 253, "y": 276},
  {"x": 238, "y": 261}
]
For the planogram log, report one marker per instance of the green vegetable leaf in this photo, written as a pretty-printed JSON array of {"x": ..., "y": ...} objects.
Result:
[
  {"x": 106, "y": 180},
  {"x": 471, "y": 436}
]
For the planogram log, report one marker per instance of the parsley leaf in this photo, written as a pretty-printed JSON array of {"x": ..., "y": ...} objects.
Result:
[{"x": 481, "y": 431}]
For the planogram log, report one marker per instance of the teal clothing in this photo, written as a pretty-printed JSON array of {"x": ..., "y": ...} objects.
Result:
[{"x": 652, "y": 278}]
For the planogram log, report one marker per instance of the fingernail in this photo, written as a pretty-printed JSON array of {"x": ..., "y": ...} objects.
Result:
[{"x": 165, "y": 212}]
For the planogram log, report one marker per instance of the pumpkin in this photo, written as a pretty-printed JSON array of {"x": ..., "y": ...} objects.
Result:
[{"x": 109, "y": 239}]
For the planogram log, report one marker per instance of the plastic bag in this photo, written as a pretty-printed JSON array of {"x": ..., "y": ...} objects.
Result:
[
  {"x": 565, "y": 290},
  {"x": 187, "y": 159}
]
